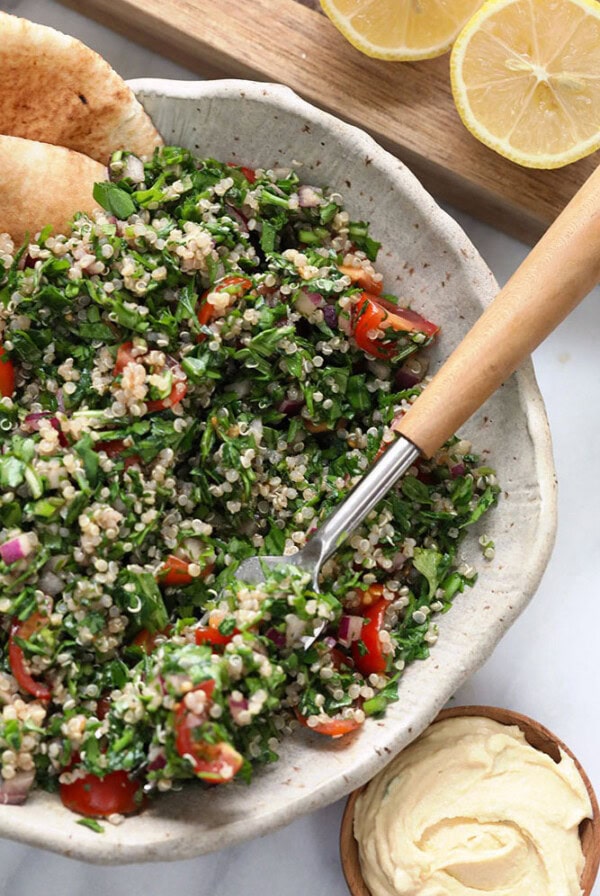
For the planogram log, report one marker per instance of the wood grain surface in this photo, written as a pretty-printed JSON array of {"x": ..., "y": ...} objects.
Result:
[
  {"x": 406, "y": 107},
  {"x": 541, "y": 739}
]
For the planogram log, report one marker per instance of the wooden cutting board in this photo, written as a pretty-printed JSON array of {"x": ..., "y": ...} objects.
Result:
[{"x": 406, "y": 107}]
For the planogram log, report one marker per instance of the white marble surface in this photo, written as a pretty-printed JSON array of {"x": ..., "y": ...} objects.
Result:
[{"x": 546, "y": 666}]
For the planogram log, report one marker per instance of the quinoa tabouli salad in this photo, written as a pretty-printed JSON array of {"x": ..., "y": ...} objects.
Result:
[{"x": 196, "y": 374}]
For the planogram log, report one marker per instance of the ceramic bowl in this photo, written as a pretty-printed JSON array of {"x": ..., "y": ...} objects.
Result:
[
  {"x": 540, "y": 738},
  {"x": 429, "y": 260}
]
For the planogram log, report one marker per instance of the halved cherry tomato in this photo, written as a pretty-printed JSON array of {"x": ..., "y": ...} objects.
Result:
[
  {"x": 374, "y": 660},
  {"x": 362, "y": 278},
  {"x": 249, "y": 173},
  {"x": 175, "y": 572},
  {"x": 114, "y": 447},
  {"x": 234, "y": 285},
  {"x": 16, "y": 658},
  {"x": 115, "y": 793},
  {"x": 7, "y": 375},
  {"x": 334, "y": 728},
  {"x": 215, "y": 763},
  {"x": 372, "y": 316}
]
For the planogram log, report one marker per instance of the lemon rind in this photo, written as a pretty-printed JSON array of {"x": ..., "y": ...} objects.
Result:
[
  {"x": 401, "y": 54},
  {"x": 539, "y": 161}
]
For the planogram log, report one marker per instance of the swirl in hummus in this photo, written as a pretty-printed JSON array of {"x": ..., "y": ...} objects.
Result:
[{"x": 471, "y": 807}]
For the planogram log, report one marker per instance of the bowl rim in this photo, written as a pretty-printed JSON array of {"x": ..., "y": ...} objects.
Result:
[
  {"x": 69, "y": 840},
  {"x": 348, "y": 844}
]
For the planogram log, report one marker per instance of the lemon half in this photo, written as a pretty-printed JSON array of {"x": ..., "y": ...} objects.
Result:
[
  {"x": 400, "y": 30},
  {"x": 526, "y": 79}
]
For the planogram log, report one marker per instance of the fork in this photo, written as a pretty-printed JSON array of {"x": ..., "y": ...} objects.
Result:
[{"x": 559, "y": 271}]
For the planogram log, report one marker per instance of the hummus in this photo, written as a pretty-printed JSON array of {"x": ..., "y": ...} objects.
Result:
[{"x": 471, "y": 807}]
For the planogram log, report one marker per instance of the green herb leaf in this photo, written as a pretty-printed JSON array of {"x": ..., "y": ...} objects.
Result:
[{"x": 114, "y": 200}]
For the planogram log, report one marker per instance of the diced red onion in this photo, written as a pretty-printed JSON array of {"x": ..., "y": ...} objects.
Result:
[
  {"x": 291, "y": 406},
  {"x": 307, "y": 197},
  {"x": 31, "y": 423},
  {"x": 405, "y": 378},
  {"x": 330, "y": 316},
  {"x": 157, "y": 759},
  {"x": 398, "y": 561},
  {"x": 14, "y": 791},
  {"x": 240, "y": 219},
  {"x": 411, "y": 373},
  {"x": 15, "y": 549},
  {"x": 236, "y": 707},
  {"x": 350, "y": 629},
  {"x": 306, "y": 302},
  {"x": 133, "y": 169},
  {"x": 273, "y": 188},
  {"x": 329, "y": 642},
  {"x": 457, "y": 470},
  {"x": 278, "y": 638}
]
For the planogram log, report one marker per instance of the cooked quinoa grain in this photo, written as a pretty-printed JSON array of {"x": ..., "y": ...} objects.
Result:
[{"x": 196, "y": 374}]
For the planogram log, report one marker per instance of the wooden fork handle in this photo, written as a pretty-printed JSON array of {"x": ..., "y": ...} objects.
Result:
[{"x": 561, "y": 269}]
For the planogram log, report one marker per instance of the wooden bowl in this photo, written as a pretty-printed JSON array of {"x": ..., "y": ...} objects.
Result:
[{"x": 535, "y": 734}]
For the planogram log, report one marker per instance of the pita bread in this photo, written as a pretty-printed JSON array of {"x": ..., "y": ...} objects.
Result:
[
  {"x": 55, "y": 89},
  {"x": 42, "y": 184}
]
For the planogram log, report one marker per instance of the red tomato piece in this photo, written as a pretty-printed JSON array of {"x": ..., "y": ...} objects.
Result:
[
  {"x": 249, "y": 173},
  {"x": 7, "y": 375},
  {"x": 371, "y": 316},
  {"x": 115, "y": 447},
  {"x": 234, "y": 285},
  {"x": 214, "y": 763},
  {"x": 92, "y": 796},
  {"x": 362, "y": 278},
  {"x": 124, "y": 357},
  {"x": 334, "y": 728},
  {"x": 208, "y": 634},
  {"x": 175, "y": 572},
  {"x": 374, "y": 660},
  {"x": 16, "y": 657},
  {"x": 176, "y": 394},
  {"x": 147, "y": 640}
]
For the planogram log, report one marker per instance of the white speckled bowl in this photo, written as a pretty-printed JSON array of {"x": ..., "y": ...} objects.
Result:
[{"x": 428, "y": 259}]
